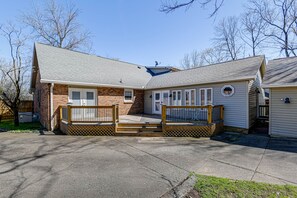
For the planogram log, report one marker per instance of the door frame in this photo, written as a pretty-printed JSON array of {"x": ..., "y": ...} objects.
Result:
[
  {"x": 161, "y": 100},
  {"x": 83, "y": 91}
]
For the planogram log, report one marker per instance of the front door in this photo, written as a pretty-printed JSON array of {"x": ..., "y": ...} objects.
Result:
[
  {"x": 83, "y": 97},
  {"x": 160, "y": 98}
]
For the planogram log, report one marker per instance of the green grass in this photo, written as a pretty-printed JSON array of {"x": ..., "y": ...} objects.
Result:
[
  {"x": 208, "y": 186},
  {"x": 8, "y": 125}
]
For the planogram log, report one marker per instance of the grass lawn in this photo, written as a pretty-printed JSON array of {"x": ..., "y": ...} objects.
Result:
[
  {"x": 208, "y": 186},
  {"x": 8, "y": 125}
]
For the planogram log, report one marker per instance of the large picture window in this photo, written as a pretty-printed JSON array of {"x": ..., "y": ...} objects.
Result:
[{"x": 205, "y": 96}]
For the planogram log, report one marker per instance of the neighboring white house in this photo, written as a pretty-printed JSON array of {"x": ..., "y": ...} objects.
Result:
[{"x": 281, "y": 80}]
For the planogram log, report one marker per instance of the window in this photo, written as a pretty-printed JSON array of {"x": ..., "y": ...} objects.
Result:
[
  {"x": 205, "y": 97},
  {"x": 190, "y": 97},
  {"x": 128, "y": 95},
  {"x": 176, "y": 98},
  {"x": 227, "y": 90}
]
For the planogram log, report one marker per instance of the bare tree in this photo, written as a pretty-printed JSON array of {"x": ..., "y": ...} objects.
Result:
[
  {"x": 191, "y": 60},
  {"x": 228, "y": 37},
  {"x": 205, "y": 57},
  {"x": 13, "y": 79},
  {"x": 214, "y": 55},
  {"x": 171, "y": 5},
  {"x": 58, "y": 26},
  {"x": 280, "y": 17},
  {"x": 252, "y": 29}
]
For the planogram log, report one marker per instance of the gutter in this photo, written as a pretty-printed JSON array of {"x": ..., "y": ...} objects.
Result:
[
  {"x": 52, "y": 106},
  {"x": 87, "y": 84},
  {"x": 278, "y": 86}
]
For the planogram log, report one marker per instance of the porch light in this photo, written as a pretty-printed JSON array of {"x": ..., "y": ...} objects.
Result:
[{"x": 287, "y": 101}]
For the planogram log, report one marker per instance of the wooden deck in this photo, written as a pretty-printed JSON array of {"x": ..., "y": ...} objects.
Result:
[{"x": 193, "y": 121}]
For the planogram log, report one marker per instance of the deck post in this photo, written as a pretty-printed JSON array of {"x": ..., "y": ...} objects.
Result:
[
  {"x": 209, "y": 114},
  {"x": 69, "y": 114},
  {"x": 61, "y": 114},
  {"x": 114, "y": 117},
  {"x": 117, "y": 112},
  {"x": 163, "y": 114},
  {"x": 222, "y": 112}
]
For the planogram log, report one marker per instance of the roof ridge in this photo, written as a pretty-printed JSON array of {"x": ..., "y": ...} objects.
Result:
[
  {"x": 213, "y": 64},
  {"x": 292, "y": 57},
  {"x": 84, "y": 53},
  {"x": 184, "y": 70}
]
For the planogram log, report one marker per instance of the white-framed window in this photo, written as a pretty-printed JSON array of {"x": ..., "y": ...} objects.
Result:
[
  {"x": 205, "y": 96},
  {"x": 227, "y": 90},
  {"x": 176, "y": 97},
  {"x": 190, "y": 97},
  {"x": 128, "y": 95}
]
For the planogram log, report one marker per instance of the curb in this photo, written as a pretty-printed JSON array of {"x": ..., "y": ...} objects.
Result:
[{"x": 181, "y": 189}]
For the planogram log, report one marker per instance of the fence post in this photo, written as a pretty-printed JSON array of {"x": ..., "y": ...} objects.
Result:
[
  {"x": 69, "y": 114},
  {"x": 222, "y": 112},
  {"x": 209, "y": 114},
  {"x": 163, "y": 114},
  {"x": 117, "y": 113}
]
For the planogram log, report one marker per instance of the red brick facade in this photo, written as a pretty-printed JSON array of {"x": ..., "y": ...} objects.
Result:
[
  {"x": 41, "y": 101},
  {"x": 106, "y": 96}
]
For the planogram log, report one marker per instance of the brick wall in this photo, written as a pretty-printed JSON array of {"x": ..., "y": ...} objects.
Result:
[
  {"x": 110, "y": 96},
  {"x": 60, "y": 97},
  {"x": 106, "y": 96},
  {"x": 41, "y": 101}
]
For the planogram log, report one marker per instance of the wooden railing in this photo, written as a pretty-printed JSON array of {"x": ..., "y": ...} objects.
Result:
[
  {"x": 89, "y": 114},
  {"x": 192, "y": 114},
  {"x": 263, "y": 111}
]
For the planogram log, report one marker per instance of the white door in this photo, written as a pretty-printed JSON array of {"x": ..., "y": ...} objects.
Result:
[
  {"x": 160, "y": 98},
  {"x": 83, "y": 97}
]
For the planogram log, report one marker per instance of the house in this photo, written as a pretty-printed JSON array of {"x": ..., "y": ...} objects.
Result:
[
  {"x": 62, "y": 76},
  {"x": 281, "y": 80}
]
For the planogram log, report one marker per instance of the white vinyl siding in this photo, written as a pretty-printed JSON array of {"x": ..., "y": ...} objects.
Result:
[{"x": 283, "y": 117}]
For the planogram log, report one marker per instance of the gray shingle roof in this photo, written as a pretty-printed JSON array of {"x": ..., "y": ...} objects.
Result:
[
  {"x": 241, "y": 69},
  {"x": 281, "y": 73},
  {"x": 69, "y": 67}
]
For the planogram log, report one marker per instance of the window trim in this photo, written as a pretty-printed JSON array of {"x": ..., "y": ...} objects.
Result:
[
  {"x": 205, "y": 96},
  {"x": 132, "y": 96},
  {"x": 225, "y": 86},
  {"x": 190, "y": 90},
  {"x": 181, "y": 97}
]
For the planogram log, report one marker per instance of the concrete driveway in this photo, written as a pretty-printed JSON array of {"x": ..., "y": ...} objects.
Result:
[{"x": 34, "y": 165}]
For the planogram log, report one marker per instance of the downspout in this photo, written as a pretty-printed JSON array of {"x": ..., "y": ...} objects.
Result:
[{"x": 52, "y": 106}]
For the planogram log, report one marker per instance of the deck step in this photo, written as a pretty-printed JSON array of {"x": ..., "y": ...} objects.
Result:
[
  {"x": 139, "y": 125},
  {"x": 140, "y": 134}
]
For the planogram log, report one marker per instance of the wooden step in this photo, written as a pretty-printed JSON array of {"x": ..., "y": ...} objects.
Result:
[
  {"x": 139, "y": 125},
  {"x": 139, "y": 134}
]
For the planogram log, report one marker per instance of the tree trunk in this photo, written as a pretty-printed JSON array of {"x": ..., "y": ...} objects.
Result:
[{"x": 16, "y": 117}]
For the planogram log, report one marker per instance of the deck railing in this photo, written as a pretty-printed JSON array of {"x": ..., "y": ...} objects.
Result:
[
  {"x": 89, "y": 114},
  {"x": 263, "y": 111},
  {"x": 192, "y": 114}
]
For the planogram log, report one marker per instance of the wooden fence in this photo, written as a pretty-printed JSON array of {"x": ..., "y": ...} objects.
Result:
[{"x": 6, "y": 113}]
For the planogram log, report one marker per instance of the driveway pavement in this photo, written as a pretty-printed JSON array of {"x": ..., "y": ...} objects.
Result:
[{"x": 34, "y": 165}]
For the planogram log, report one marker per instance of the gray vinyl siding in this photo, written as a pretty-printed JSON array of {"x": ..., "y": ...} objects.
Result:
[
  {"x": 148, "y": 102},
  {"x": 283, "y": 117},
  {"x": 236, "y": 106}
]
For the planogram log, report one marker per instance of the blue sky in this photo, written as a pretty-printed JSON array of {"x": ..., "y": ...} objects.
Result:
[{"x": 134, "y": 30}]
